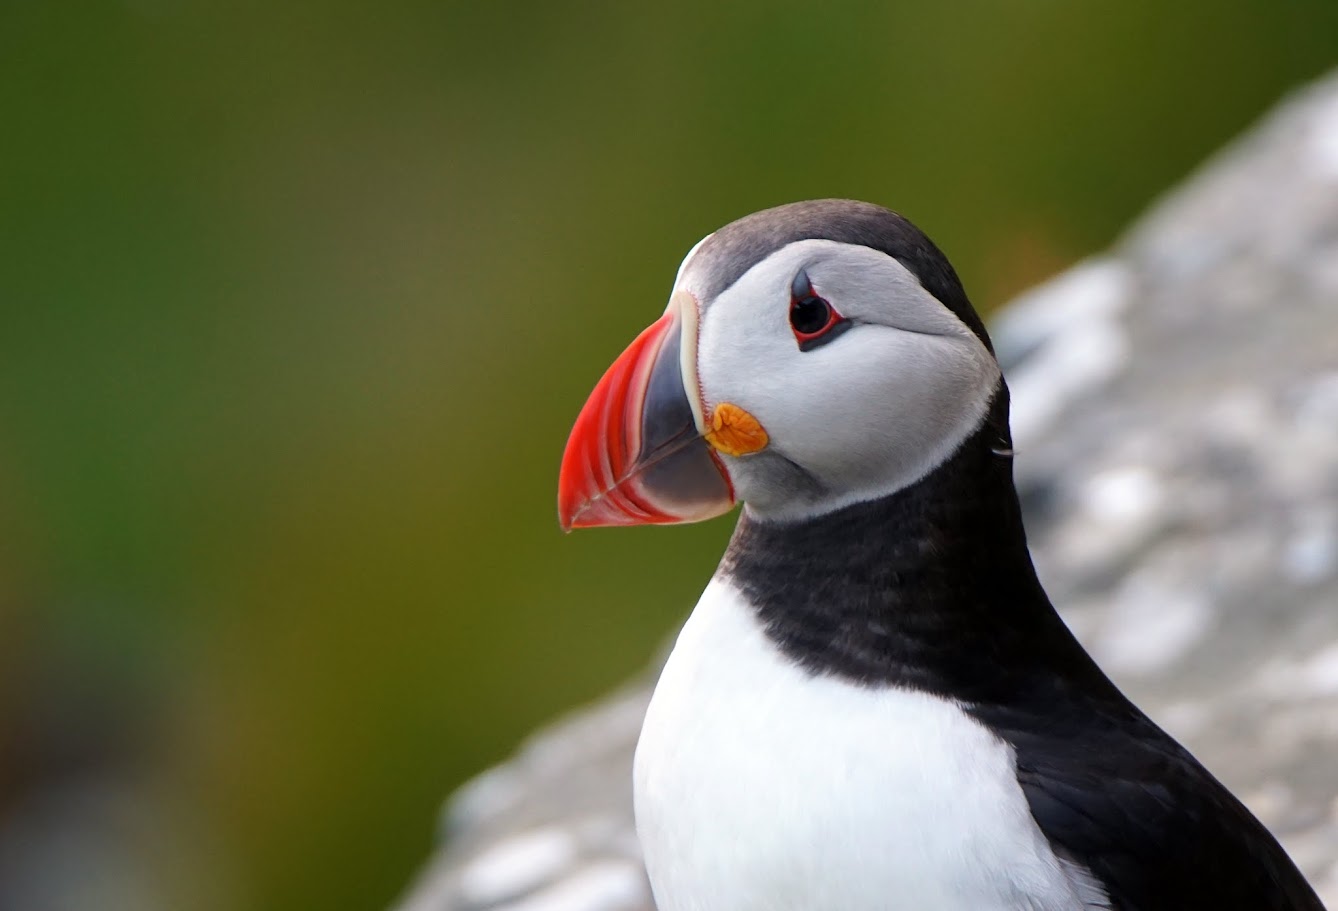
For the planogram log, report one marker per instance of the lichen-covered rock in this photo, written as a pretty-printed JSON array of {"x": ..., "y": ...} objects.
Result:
[{"x": 1176, "y": 421}]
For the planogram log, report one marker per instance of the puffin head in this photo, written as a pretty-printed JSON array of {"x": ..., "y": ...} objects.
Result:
[{"x": 813, "y": 355}]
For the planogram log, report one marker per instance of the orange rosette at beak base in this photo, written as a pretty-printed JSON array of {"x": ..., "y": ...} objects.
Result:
[{"x": 735, "y": 432}]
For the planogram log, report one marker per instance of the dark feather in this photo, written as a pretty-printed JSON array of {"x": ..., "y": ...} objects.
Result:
[{"x": 932, "y": 588}]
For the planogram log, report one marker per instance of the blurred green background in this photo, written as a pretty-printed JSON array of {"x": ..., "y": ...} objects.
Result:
[{"x": 299, "y": 301}]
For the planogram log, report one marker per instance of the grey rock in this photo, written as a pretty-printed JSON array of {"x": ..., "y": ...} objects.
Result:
[{"x": 1176, "y": 415}]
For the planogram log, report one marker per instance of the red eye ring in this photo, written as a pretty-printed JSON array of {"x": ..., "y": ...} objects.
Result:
[{"x": 812, "y": 319}]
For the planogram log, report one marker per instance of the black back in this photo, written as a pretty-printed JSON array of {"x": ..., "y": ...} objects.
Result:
[{"x": 932, "y": 588}]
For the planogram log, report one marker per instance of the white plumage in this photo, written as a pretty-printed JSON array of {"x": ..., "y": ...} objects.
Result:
[{"x": 759, "y": 786}]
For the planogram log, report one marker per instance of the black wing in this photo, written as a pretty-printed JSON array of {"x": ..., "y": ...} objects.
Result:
[{"x": 1115, "y": 793}]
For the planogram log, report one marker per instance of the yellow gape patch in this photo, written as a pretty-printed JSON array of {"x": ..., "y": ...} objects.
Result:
[{"x": 734, "y": 431}]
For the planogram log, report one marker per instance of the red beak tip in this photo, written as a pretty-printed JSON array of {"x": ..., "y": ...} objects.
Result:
[{"x": 601, "y": 481}]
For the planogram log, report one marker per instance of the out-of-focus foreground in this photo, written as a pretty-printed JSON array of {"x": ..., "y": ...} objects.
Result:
[{"x": 299, "y": 303}]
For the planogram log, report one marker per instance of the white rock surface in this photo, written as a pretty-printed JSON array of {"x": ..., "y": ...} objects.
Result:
[{"x": 1176, "y": 414}]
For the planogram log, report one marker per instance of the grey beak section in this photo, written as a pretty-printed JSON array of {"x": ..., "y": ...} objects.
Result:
[{"x": 677, "y": 468}]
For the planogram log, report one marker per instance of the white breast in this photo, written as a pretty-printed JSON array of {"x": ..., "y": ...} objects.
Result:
[{"x": 761, "y": 787}]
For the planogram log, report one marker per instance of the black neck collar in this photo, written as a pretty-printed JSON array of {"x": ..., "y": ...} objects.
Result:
[{"x": 931, "y": 587}]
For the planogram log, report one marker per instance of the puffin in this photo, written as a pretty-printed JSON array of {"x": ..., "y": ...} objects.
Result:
[{"x": 874, "y": 705}]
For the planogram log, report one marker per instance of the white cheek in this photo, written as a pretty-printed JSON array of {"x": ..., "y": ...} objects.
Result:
[
  {"x": 874, "y": 403},
  {"x": 870, "y": 412},
  {"x": 746, "y": 351}
]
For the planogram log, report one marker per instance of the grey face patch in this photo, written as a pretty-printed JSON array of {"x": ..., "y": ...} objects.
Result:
[
  {"x": 726, "y": 255},
  {"x": 778, "y": 480}
]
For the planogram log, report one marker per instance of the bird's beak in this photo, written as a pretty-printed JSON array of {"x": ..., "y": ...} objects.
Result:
[{"x": 638, "y": 454}]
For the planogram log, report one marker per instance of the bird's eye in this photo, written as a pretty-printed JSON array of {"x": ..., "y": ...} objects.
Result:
[
  {"x": 813, "y": 320},
  {"x": 810, "y": 316}
]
